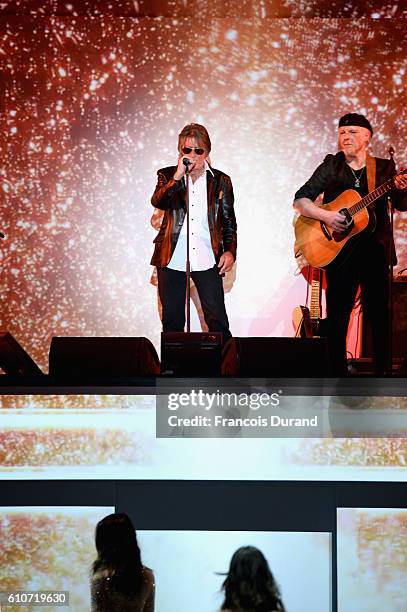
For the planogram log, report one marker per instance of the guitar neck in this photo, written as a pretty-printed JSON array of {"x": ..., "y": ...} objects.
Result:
[
  {"x": 371, "y": 197},
  {"x": 315, "y": 301}
]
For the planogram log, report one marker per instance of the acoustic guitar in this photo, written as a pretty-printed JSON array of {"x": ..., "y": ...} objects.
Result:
[
  {"x": 322, "y": 246},
  {"x": 307, "y": 322}
]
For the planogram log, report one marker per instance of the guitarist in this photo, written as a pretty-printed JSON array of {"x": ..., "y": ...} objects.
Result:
[{"x": 367, "y": 264}]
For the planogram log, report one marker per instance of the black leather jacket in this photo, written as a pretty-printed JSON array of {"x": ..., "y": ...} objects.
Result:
[{"x": 169, "y": 195}]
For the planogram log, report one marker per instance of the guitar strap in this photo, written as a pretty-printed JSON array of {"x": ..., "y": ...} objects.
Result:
[{"x": 371, "y": 173}]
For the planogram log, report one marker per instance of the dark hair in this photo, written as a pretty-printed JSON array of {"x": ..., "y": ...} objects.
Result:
[
  {"x": 118, "y": 552},
  {"x": 197, "y": 131},
  {"x": 250, "y": 585}
]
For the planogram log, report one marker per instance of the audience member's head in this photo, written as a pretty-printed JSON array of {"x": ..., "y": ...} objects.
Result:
[
  {"x": 118, "y": 552},
  {"x": 250, "y": 585}
]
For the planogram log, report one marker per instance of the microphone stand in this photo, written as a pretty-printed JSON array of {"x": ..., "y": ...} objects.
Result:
[
  {"x": 389, "y": 365},
  {"x": 188, "y": 266}
]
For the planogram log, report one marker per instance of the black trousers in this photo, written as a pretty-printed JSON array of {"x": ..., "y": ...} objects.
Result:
[
  {"x": 172, "y": 286},
  {"x": 366, "y": 267}
]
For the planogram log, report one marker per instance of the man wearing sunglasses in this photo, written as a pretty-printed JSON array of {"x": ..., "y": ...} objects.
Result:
[{"x": 213, "y": 238}]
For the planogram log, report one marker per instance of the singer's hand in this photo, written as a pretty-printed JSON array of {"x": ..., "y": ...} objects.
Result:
[
  {"x": 400, "y": 181},
  {"x": 226, "y": 262},
  {"x": 180, "y": 171}
]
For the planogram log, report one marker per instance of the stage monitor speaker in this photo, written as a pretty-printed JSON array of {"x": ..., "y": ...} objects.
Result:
[
  {"x": 399, "y": 342},
  {"x": 196, "y": 354},
  {"x": 14, "y": 360},
  {"x": 276, "y": 358},
  {"x": 85, "y": 359}
]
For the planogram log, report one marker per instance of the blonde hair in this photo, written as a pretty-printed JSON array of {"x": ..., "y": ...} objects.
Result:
[{"x": 197, "y": 131}]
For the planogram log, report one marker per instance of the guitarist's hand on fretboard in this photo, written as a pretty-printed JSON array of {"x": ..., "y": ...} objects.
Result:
[{"x": 400, "y": 181}]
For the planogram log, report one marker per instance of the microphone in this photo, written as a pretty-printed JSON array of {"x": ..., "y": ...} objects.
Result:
[{"x": 187, "y": 162}]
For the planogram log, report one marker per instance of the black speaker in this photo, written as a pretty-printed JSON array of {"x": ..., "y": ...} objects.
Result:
[
  {"x": 191, "y": 354},
  {"x": 14, "y": 360},
  {"x": 276, "y": 358},
  {"x": 400, "y": 316},
  {"x": 102, "y": 359},
  {"x": 399, "y": 341}
]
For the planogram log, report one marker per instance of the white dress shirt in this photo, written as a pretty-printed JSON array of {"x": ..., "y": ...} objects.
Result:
[{"x": 200, "y": 248}]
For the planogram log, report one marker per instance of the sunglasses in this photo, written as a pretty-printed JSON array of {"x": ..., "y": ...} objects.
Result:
[{"x": 188, "y": 150}]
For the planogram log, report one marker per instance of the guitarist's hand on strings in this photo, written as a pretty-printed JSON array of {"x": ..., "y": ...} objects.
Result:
[{"x": 336, "y": 220}]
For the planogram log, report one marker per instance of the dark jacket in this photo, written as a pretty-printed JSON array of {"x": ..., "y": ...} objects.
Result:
[{"x": 169, "y": 195}]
